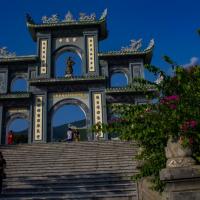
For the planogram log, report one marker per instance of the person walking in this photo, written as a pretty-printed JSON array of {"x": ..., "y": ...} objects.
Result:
[{"x": 2, "y": 172}]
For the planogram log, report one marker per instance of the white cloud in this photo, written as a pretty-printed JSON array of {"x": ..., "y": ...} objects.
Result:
[{"x": 193, "y": 62}]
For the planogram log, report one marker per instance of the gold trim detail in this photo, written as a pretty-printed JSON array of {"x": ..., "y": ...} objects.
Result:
[
  {"x": 98, "y": 113},
  {"x": 43, "y": 56},
  {"x": 91, "y": 64},
  {"x": 38, "y": 113}
]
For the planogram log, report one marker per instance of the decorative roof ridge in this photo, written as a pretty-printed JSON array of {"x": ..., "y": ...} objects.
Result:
[
  {"x": 26, "y": 56},
  {"x": 4, "y": 53},
  {"x": 68, "y": 20},
  {"x": 9, "y": 58},
  {"x": 131, "y": 50},
  {"x": 18, "y": 92},
  {"x": 15, "y": 94},
  {"x": 74, "y": 78},
  {"x": 130, "y": 88}
]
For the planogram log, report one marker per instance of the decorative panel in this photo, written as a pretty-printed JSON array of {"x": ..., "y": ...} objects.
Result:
[
  {"x": 136, "y": 70},
  {"x": 43, "y": 56},
  {"x": 2, "y": 82},
  {"x": 98, "y": 113},
  {"x": 91, "y": 50},
  {"x": 56, "y": 97},
  {"x": 38, "y": 113}
]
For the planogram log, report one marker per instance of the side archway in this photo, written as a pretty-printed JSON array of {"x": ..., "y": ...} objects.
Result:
[
  {"x": 20, "y": 125},
  {"x": 68, "y": 113},
  {"x": 19, "y": 84},
  {"x": 118, "y": 79}
]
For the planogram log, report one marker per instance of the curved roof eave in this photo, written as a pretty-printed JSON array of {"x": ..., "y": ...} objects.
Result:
[
  {"x": 101, "y": 24},
  {"x": 30, "y": 58},
  {"x": 146, "y": 54}
]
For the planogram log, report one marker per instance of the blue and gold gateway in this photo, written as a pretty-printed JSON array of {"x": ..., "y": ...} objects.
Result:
[{"x": 90, "y": 89}]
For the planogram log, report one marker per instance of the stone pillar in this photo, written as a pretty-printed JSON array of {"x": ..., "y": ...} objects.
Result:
[
  {"x": 44, "y": 53},
  {"x": 39, "y": 118},
  {"x": 98, "y": 111},
  {"x": 182, "y": 183},
  {"x": 181, "y": 175},
  {"x": 91, "y": 50},
  {"x": 1, "y": 124}
]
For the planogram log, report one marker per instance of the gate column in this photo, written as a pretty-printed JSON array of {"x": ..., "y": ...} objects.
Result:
[
  {"x": 99, "y": 111},
  {"x": 40, "y": 118},
  {"x": 1, "y": 124}
]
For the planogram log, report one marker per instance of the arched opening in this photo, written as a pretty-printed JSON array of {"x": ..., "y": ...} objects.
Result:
[
  {"x": 19, "y": 85},
  {"x": 19, "y": 126},
  {"x": 61, "y": 58},
  {"x": 118, "y": 79},
  {"x": 68, "y": 116}
]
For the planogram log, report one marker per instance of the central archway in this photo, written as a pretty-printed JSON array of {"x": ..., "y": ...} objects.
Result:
[
  {"x": 60, "y": 57},
  {"x": 68, "y": 113}
]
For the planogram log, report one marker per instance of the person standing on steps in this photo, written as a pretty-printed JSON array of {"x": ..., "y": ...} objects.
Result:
[
  {"x": 10, "y": 139},
  {"x": 76, "y": 135},
  {"x": 69, "y": 135},
  {"x": 2, "y": 172}
]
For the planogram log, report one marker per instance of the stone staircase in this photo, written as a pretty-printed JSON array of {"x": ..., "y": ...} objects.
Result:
[{"x": 83, "y": 170}]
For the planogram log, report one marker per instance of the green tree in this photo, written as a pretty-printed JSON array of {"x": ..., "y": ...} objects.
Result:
[{"x": 176, "y": 114}]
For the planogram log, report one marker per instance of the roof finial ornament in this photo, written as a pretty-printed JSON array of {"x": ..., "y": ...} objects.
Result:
[
  {"x": 151, "y": 45},
  {"x": 84, "y": 17},
  {"x": 4, "y": 53},
  {"x": 134, "y": 46},
  {"x": 104, "y": 14},
  {"x": 68, "y": 17},
  {"x": 50, "y": 20},
  {"x": 29, "y": 19},
  {"x": 45, "y": 20}
]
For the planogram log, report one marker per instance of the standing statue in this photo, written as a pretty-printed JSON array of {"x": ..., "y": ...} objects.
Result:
[{"x": 69, "y": 68}]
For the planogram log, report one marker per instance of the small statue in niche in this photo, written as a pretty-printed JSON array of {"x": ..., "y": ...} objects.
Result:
[{"x": 69, "y": 68}]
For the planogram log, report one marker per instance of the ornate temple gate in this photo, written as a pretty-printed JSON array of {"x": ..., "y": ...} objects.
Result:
[{"x": 46, "y": 92}]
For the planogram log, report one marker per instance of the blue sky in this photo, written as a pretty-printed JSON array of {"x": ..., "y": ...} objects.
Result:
[{"x": 172, "y": 23}]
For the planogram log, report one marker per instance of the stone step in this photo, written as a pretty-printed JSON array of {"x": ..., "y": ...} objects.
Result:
[
  {"x": 63, "y": 151},
  {"x": 68, "y": 187},
  {"x": 70, "y": 156},
  {"x": 75, "y": 165},
  {"x": 57, "y": 182},
  {"x": 61, "y": 173},
  {"x": 82, "y": 153},
  {"x": 71, "y": 145},
  {"x": 67, "y": 146},
  {"x": 50, "y": 148},
  {"x": 86, "y": 143},
  {"x": 71, "y": 159},
  {"x": 68, "y": 170},
  {"x": 85, "y": 170},
  {"x": 68, "y": 159},
  {"x": 71, "y": 177},
  {"x": 69, "y": 163},
  {"x": 130, "y": 195},
  {"x": 72, "y": 191}
]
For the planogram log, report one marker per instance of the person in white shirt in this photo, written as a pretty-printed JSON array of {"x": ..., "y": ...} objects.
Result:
[{"x": 69, "y": 135}]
